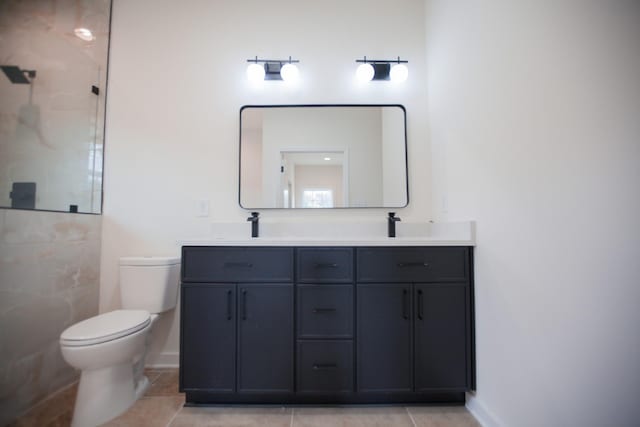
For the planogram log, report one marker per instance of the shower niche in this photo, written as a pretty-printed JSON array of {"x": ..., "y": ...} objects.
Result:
[{"x": 53, "y": 62}]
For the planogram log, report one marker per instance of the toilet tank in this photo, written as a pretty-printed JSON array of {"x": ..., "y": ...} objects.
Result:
[{"x": 149, "y": 283}]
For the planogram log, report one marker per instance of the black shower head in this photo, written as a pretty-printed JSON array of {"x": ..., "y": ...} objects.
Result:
[{"x": 16, "y": 75}]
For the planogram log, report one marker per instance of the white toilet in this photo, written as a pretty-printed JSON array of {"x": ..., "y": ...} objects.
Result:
[{"x": 109, "y": 348}]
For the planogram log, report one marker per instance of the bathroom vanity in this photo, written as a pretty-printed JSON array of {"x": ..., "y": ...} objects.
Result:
[{"x": 322, "y": 324}]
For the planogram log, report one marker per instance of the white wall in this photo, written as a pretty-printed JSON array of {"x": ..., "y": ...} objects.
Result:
[
  {"x": 176, "y": 84},
  {"x": 534, "y": 111}
]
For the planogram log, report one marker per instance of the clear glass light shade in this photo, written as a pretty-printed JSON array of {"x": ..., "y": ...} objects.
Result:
[
  {"x": 255, "y": 73},
  {"x": 289, "y": 73},
  {"x": 364, "y": 72},
  {"x": 399, "y": 73}
]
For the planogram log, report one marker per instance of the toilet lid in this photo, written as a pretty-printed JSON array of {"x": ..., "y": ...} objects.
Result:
[{"x": 105, "y": 327}]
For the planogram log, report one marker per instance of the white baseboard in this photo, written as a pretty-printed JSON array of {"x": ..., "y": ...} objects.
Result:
[
  {"x": 163, "y": 360},
  {"x": 480, "y": 412}
]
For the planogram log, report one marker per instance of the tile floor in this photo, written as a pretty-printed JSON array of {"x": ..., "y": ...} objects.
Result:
[{"x": 162, "y": 406}]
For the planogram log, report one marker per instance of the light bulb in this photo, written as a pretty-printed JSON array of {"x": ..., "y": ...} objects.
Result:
[
  {"x": 255, "y": 73},
  {"x": 399, "y": 73},
  {"x": 84, "y": 34},
  {"x": 364, "y": 72},
  {"x": 289, "y": 72}
]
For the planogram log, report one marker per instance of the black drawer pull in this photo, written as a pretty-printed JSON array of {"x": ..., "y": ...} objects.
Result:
[
  {"x": 405, "y": 304},
  {"x": 238, "y": 265},
  {"x": 326, "y": 265},
  {"x": 319, "y": 366},
  {"x": 229, "y": 302},
  {"x": 413, "y": 264},
  {"x": 420, "y": 305},
  {"x": 323, "y": 310}
]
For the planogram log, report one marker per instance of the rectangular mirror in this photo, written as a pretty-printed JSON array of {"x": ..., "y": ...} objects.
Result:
[{"x": 323, "y": 156}]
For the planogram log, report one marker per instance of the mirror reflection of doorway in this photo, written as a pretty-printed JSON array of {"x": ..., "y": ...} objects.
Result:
[{"x": 314, "y": 179}]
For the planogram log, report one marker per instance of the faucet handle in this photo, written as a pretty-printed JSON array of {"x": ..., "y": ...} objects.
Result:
[
  {"x": 393, "y": 217},
  {"x": 254, "y": 216}
]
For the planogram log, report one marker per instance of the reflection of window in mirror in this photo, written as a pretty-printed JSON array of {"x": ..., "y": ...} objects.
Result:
[{"x": 319, "y": 198}]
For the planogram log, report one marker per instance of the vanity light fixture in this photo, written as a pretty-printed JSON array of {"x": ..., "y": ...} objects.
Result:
[
  {"x": 382, "y": 69},
  {"x": 272, "y": 69}
]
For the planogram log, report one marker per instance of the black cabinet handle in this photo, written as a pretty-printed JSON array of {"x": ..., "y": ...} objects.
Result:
[
  {"x": 323, "y": 310},
  {"x": 229, "y": 302},
  {"x": 238, "y": 265},
  {"x": 244, "y": 304},
  {"x": 319, "y": 366},
  {"x": 420, "y": 305},
  {"x": 326, "y": 265},
  {"x": 405, "y": 304},
  {"x": 413, "y": 264}
]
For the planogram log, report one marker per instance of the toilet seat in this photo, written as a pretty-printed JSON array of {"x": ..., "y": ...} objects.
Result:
[{"x": 105, "y": 327}]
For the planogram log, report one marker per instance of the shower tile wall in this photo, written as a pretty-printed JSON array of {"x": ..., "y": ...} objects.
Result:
[
  {"x": 51, "y": 130},
  {"x": 49, "y": 279}
]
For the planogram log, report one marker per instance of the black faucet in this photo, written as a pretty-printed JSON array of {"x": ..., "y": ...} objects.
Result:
[
  {"x": 254, "y": 218},
  {"x": 392, "y": 218}
]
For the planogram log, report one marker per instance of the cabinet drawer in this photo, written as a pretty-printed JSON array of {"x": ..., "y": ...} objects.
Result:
[
  {"x": 325, "y": 311},
  {"x": 237, "y": 264},
  {"x": 325, "y": 265},
  {"x": 412, "y": 264},
  {"x": 325, "y": 366}
]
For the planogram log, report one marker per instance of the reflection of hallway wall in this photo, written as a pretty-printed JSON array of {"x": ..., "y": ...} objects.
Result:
[
  {"x": 319, "y": 177},
  {"x": 52, "y": 139},
  {"x": 357, "y": 133}
]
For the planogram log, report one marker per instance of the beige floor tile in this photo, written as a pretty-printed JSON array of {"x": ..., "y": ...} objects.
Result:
[
  {"x": 352, "y": 417},
  {"x": 232, "y": 417},
  {"x": 166, "y": 384},
  {"x": 63, "y": 420},
  {"x": 442, "y": 416},
  {"x": 149, "y": 412},
  {"x": 153, "y": 374}
]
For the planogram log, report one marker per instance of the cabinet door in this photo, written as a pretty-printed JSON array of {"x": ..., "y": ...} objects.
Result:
[
  {"x": 384, "y": 331},
  {"x": 440, "y": 337},
  {"x": 208, "y": 338},
  {"x": 265, "y": 338}
]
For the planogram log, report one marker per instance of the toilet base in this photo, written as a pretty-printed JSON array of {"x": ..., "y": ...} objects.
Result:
[
  {"x": 103, "y": 394},
  {"x": 142, "y": 387}
]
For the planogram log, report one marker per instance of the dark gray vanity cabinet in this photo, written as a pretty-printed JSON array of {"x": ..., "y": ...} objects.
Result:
[
  {"x": 325, "y": 321},
  {"x": 237, "y": 337},
  {"x": 265, "y": 338},
  {"x": 208, "y": 333},
  {"x": 384, "y": 338},
  {"x": 414, "y": 319},
  {"x": 326, "y": 324},
  {"x": 440, "y": 333}
]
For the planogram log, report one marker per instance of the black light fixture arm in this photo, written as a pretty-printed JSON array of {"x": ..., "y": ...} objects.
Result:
[
  {"x": 274, "y": 61},
  {"x": 382, "y": 61}
]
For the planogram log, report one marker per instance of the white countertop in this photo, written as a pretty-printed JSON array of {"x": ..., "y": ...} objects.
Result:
[{"x": 338, "y": 234}]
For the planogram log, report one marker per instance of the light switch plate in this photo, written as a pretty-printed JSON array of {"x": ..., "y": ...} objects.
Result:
[{"x": 202, "y": 208}]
